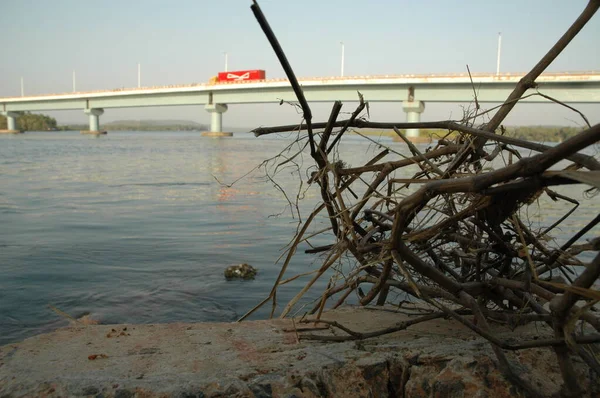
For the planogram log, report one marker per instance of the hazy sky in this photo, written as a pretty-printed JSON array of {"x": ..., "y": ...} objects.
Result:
[{"x": 182, "y": 41}]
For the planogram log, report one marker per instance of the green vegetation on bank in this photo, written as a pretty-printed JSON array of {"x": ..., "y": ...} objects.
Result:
[
  {"x": 543, "y": 133},
  {"x": 145, "y": 125},
  {"x": 28, "y": 121},
  {"x": 530, "y": 133}
]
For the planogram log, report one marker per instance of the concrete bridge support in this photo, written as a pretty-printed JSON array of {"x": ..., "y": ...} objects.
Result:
[
  {"x": 216, "y": 120},
  {"x": 413, "y": 110},
  {"x": 94, "y": 115},
  {"x": 11, "y": 123}
]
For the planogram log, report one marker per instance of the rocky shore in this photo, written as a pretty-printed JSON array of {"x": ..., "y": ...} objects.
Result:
[{"x": 439, "y": 358}]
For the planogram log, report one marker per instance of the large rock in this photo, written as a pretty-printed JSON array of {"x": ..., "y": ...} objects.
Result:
[{"x": 264, "y": 359}]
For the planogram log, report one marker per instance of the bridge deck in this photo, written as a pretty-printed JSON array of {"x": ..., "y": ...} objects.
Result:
[{"x": 573, "y": 87}]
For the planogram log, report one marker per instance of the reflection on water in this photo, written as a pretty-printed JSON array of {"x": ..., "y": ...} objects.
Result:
[{"x": 134, "y": 227}]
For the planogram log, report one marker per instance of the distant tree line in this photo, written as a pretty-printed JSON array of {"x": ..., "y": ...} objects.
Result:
[
  {"x": 535, "y": 133},
  {"x": 150, "y": 126},
  {"x": 140, "y": 126},
  {"x": 529, "y": 133},
  {"x": 28, "y": 121},
  {"x": 542, "y": 133}
]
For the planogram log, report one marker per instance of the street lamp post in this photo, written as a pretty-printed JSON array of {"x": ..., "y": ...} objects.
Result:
[
  {"x": 342, "y": 71},
  {"x": 225, "y": 53},
  {"x": 139, "y": 75},
  {"x": 498, "y": 57},
  {"x": 74, "y": 82},
  {"x": 22, "y": 87}
]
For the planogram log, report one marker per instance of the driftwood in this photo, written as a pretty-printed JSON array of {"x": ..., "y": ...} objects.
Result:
[{"x": 460, "y": 243}]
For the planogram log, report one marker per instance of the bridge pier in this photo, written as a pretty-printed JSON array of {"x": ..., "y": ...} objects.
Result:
[
  {"x": 413, "y": 110},
  {"x": 216, "y": 120},
  {"x": 94, "y": 114},
  {"x": 11, "y": 123}
]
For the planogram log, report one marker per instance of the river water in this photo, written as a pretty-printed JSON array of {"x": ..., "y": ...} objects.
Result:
[{"x": 135, "y": 228}]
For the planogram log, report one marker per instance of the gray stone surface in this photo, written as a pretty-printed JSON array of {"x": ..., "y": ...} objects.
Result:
[{"x": 265, "y": 359}]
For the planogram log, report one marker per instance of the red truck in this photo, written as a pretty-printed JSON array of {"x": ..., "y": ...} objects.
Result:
[{"x": 241, "y": 75}]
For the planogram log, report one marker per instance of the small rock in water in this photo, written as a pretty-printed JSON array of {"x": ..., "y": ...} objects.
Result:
[{"x": 240, "y": 271}]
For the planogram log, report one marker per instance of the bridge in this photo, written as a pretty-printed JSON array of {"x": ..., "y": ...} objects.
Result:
[{"x": 410, "y": 90}]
